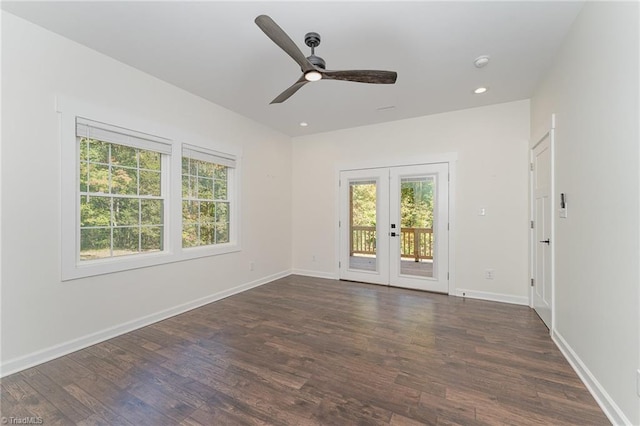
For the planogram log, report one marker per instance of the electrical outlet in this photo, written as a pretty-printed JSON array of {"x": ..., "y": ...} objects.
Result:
[
  {"x": 488, "y": 274},
  {"x": 252, "y": 265},
  {"x": 313, "y": 258}
]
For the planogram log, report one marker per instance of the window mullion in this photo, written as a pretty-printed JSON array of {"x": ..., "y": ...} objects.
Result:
[
  {"x": 111, "y": 226},
  {"x": 139, "y": 200},
  {"x": 166, "y": 199}
]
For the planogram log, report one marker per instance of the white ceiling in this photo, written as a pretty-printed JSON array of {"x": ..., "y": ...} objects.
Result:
[{"x": 215, "y": 50}]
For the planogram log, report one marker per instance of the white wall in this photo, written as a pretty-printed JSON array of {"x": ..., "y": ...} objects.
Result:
[
  {"x": 39, "y": 312},
  {"x": 492, "y": 172},
  {"x": 593, "y": 88}
]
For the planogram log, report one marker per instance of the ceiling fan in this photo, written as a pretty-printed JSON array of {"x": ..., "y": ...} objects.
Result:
[{"x": 313, "y": 67}]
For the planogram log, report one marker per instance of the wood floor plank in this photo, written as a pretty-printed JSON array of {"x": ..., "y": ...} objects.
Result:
[
  {"x": 34, "y": 402},
  {"x": 123, "y": 403},
  {"x": 99, "y": 409},
  {"x": 340, "y": 410},
  {"x": 10, "y": 401},
  {"x": 162, "y": 400},
  {"x": 70, "y": 407},
  {"x": 310, "y": 351},
  {"x": 93, "y": 420},
  {"x": 65, "y": 370}
]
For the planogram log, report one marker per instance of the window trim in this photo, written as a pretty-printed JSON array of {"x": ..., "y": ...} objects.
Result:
[{"x": 71, "y": 266}]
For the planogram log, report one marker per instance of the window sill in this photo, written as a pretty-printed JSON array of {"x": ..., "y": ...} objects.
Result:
[{"x": 126, "y": 263}]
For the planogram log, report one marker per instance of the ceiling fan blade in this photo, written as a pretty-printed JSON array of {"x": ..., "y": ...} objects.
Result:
[
  {"x": 362, "y": 76},
  {"x": 290, "y": 91},
  {"x": 279, "y": 37}
]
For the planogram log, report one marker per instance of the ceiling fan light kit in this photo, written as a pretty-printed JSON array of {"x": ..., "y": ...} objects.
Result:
[
  {"x": 312, "y": 76},
  {"x": 314, "y": 67}
]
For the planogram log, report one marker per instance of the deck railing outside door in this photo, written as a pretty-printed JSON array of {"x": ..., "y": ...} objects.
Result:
[{"x": 415, "y": 243}]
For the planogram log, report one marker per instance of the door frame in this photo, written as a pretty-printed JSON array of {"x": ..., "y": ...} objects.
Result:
[
  {"x": 548, "y": 132},
  {"x": 450, "y": 158}
]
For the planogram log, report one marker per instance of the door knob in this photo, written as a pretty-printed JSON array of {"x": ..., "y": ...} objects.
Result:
[{"x": 547, "y": 241}]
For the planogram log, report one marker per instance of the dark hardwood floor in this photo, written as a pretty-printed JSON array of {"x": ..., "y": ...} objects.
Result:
[{"x": 308, "y": 351}]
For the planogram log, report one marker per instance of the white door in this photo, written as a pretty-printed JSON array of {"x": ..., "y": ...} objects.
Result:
[
  {"x": 541, "y": 232},
  {"x": 394, "y": 226},
  {"x": 364, "y": 218}
]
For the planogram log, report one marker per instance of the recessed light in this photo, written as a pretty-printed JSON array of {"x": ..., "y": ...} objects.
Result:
[
  {"x": 481, "y": 61},
  {"x": 303, "y": 124},
  {"x": 480, "y": 90}
]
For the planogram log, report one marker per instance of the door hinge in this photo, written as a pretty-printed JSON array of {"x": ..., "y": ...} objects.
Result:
[
  {"x": 339, "y": 264},
  {"x": 531, "y": 282},
  {"x": 340, "y": 224},
  {"x": 531, "y": 166},
  {"x": 448, "y": 177},
  {"x": 339, "y": 182},
  {"x": 448, "y": 226},
  {"x": 447, "y": 276},
  {"x": 531, "y": 224}
]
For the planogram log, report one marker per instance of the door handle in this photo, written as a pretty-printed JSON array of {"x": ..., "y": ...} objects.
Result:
[{"x": 547, "y": 241}]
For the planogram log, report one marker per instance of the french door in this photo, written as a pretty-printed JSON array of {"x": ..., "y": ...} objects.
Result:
[{"x": 394, "y": 226}]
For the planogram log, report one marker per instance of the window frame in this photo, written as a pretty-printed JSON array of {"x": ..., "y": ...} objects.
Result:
[
  {"x": 71, "y": 265},
  {"x": 140, "y": 141},
  {"x": 198, "y": 153}
]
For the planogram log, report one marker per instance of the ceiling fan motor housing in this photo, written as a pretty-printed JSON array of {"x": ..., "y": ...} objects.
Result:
[
  {"x": 313, "y": 40},
  {"x": 317, "y": 61}
]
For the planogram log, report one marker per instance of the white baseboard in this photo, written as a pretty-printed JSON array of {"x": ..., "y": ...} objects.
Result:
[
  {"x": 608, "y": 405},
  {"x": 494, "y": 297},
  {"x": 21, "y": 363},
  {"x": 315, "y": 274}
]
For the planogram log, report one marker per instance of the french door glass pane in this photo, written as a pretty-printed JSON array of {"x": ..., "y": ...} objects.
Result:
[
  {"x": 416, "y": 225},
  {"x": 362, "y": 226}
]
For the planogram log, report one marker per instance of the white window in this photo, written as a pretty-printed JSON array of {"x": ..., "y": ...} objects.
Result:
[
  {"x": 206, "y": 202},
  {"x": 122, "y": 196},
  {"x": 131, "y": 199}
]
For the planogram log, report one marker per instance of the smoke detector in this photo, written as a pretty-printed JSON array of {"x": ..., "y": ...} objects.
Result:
[{"x": 481, "y": 61}]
